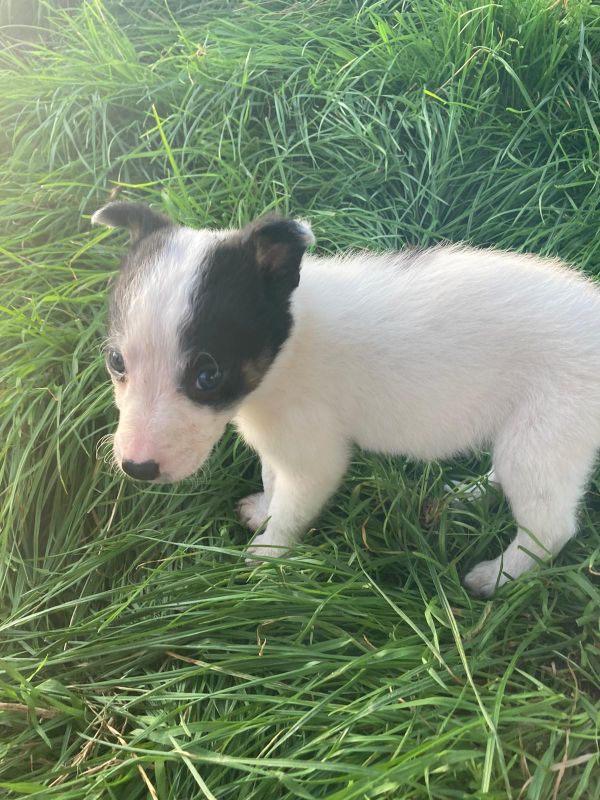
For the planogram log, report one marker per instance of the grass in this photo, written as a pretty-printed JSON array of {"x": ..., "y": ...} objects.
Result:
[{"x": 140, "y": 657}]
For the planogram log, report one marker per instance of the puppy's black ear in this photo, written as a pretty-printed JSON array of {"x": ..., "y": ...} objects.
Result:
[
  {"x": 137, "y": 217},
  {"x": 278, "y": 245}
]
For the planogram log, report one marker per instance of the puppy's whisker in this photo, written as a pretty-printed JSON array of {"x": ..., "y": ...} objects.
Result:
[{"x": 104, "y": 445}]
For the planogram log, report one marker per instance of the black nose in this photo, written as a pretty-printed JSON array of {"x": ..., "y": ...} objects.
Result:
[{"x": 142, "y": 471}]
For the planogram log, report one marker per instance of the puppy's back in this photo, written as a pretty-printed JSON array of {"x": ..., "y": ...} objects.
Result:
[{"x": 439, "y": 345}]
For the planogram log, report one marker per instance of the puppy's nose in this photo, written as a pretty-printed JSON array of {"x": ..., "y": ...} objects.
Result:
[{"x": 142, "y": 471}]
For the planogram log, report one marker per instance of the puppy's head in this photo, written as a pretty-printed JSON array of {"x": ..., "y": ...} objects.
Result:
[{"x": 196, "y": 319}]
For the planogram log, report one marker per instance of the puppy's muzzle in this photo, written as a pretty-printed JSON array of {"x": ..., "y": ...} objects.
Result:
[{"x": 142, "y": 470}]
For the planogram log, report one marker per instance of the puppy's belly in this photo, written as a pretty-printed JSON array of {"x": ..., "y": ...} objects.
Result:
[
  {"x": 428, "y": 434},
  {"x": 423, "y": 448}
]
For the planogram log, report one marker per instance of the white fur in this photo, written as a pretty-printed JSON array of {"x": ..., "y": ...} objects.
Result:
[
  {"x": 458, "y": 349},
  {"x": 420, "y": 355},
  {"x": 156, "y": 421}
]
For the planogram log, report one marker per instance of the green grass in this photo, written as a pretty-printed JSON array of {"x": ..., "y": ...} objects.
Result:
[{"x": 139, "y": 656}]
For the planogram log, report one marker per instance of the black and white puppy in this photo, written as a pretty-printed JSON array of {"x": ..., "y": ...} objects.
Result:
[{"x": 424, "y": 354}]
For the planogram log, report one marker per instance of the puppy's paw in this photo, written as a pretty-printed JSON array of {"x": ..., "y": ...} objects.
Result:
[
  {"x": 264, "y": 545},
  {"x": 466, "y": 491},
  {"x": 253, "y": 510},
  {"x": 485, "y": 578}
]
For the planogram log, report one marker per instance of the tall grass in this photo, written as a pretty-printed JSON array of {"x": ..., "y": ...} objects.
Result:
[{"x": 140, "y": 657}]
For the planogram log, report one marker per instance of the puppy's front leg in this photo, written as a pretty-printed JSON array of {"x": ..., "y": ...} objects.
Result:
[
  {"x": 298, "y": 496},
  {"x": 254, "y": 509}
]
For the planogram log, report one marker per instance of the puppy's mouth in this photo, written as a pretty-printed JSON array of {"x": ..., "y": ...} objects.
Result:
[
  {"x": 163, "y": 478},
  {"x": 151, "y": 474}
]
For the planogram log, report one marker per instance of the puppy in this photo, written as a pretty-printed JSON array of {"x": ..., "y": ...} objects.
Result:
[{"x": 420, "y": 353}]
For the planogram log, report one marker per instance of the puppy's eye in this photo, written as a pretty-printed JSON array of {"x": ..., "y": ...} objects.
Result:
[
  {"x": 208, "y": 378},
  {"x": 116, "y": 363}
]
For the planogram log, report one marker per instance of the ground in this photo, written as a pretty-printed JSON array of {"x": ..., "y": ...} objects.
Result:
[{"x": 141, "y": 657}]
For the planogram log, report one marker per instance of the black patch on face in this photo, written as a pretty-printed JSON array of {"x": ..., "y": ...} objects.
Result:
[{"x": 240, "y": 309}]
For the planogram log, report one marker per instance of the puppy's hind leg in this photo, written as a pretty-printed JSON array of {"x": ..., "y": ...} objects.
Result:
[{"x": 543, "y": 465}]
